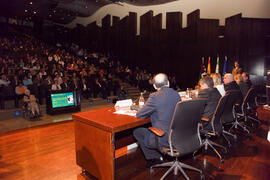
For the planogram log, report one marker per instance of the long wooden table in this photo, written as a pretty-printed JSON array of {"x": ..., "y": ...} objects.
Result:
[{"x": 95, "y": 139}]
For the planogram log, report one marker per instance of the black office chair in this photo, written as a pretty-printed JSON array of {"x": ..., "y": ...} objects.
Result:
[
  {"x": 228, "y": 117},
  {"x": 183, "y": 135},
  {"x": 249, "y": 102},
  {"x": 217, "y": 127}
]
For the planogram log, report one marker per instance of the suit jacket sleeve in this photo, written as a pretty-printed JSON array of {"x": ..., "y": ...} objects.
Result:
[{"x": 147, "y": 109}]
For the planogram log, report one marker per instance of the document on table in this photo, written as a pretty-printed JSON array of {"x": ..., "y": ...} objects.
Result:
[
  {"x": 123, "y": 107},
  {"x": 126, "y": 112}
]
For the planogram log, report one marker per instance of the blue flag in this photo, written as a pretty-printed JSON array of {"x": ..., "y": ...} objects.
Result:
[{"x": 225, "y": 66}]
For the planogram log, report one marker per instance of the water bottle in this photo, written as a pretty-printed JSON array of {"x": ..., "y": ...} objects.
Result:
[{"x": 141, "y": 100}]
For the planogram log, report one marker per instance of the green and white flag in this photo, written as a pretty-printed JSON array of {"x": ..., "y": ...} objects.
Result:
[{"x": 217, "y": 65}]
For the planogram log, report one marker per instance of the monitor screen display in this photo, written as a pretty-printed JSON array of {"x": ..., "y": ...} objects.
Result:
[{"x": 62, "y": 99}]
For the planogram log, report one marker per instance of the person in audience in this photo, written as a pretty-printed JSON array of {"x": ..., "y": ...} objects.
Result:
[
  {"x": 56, "y": 86},
  {"x": 65, "y": 85},
  {"x": 209, "y": 92},
  {"x": 217, "y": 83},
  {"x": 160, "y": 108},
  {"x": 75, "y": 84},
  {"x": 4, "y": 81},
  {"x": 85, "y": 88},
  {"x": 123, "y": 93},
  {"x": 19, "y": 93},
  {"x": 229, "y": 83},
  {"x": 236, "y": 69},
  {"x": 27, "y": 81},
  {"x": 30, "y": 100},
  {"x": 243, "y": 86},
  {"x": 246, "y": 80}
]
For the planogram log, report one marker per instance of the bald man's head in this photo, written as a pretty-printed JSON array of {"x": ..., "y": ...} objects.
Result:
[
  {"x": 228, "y": 77},
  {"x": 161, "y": 80}
]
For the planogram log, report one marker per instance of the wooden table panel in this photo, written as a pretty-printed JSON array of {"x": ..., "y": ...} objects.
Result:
[
  {"x": 94, "y": 157},
  {"x": 94, "y": 139}
]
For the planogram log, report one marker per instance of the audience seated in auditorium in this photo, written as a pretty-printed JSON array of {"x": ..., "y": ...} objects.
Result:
[
  {"x": 37, "y": 65},
  {"x": 212, "y": 95}
]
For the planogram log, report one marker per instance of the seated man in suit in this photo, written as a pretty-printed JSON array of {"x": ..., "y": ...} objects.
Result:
[
  {"x": 212, "y": 95},
  {"x": 243, "y": 86},
  {"x": 229, "y": 83},
  {"x": 160, "y": 108},
  {"x": 246, "y": 80}
]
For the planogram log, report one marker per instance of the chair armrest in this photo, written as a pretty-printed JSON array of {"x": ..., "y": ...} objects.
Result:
[
  {"x": 157, "y": 131},
  {"x": 204, "y": 119}
]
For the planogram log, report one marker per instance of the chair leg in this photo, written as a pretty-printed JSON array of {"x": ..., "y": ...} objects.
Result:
[
  {"x": 182, "y": 171},
  {"x": 228, "y": 141},
  {"x": 254, "y": 119},
  {"x": 230, "y": 134},
  {"x": 186, "y": 166},
  {"x": 169, "y": 170},
  {"x": 175, "y": 166},
  {"x": 163, "y": 164},
  {"x": 218, "y": 145},
  {"x": 214, "y": 149},
  {"x": 236, "y": 124}
]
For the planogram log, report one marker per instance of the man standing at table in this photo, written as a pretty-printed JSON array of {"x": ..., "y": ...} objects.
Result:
[
  {"x": 236, "y": 69},
  {"x": 160, "y": 108}
]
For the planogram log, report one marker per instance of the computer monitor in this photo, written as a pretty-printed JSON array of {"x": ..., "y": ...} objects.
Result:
[{"x": 63, "y": 102}]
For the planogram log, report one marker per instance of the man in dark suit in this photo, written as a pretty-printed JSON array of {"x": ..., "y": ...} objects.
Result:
[
  {"x": 212, "y": 95},
  {"x": 246, "y": 79},
  {"x": 243, "y": 86},
  {"x": 229, "y": 83},
  {"x": 160, "y": 108}
]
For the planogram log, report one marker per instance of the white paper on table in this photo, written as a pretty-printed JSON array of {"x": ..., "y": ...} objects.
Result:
[
  {"x": 123, "y": 103},
  {"x": 126, "y": 112},
  {"x": 182, "y": 93}
]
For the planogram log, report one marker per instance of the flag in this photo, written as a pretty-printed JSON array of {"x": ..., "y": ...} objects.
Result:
[
  {"x": 217, "y": 65},
  {"x": 203, "y": 69},
  {"x": 225, "y": 66},
  {"x": 209, "y": 66}
]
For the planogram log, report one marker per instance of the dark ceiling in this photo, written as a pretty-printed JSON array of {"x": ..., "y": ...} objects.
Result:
[{"x": 61, "y": 11}]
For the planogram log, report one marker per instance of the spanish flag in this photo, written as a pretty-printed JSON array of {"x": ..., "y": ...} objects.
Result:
[{"x": 209, "y": 66}]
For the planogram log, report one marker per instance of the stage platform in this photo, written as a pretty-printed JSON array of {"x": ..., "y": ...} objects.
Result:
[{"x": 48, "y": 153}]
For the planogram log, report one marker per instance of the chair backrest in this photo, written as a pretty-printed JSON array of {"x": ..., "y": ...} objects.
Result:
[
  {"x": 216, "y": 118},
  {"x": 235, "y": 96},
  {"x": 183, "y": 133},
  {"x": 249, "y": 100}
]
